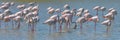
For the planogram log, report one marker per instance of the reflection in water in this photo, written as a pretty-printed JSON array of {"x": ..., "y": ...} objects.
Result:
[
  {"x": 56, "y": 36},
  {"x": 31, "y": 35}
]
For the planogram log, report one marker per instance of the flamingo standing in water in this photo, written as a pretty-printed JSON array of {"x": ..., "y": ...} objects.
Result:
[
  {"x": 95, "y": 19},
  {"x": 31, "y": 3},
  {"x": 66, "y": 18},
  {"x": 97, "y": 8},
  {"x": 102, "y": 9},
  {"x": 18, "y": 19},
  {"x": 107, "y": 23},
  {"x": 6, "y": 19},
  {"x": 80, "y": 20},
  {"x": 6, "y": 14},
  {"x": 52, "y": 22}
]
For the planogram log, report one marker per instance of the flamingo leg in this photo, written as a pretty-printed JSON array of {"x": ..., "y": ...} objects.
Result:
[
  {"x": 33, "y": 27},
  {"x": 12, "y": 24},
  {"x": 81, "y": 27},
  {"x": 60, "y": 27},
  {"x": 102, "y": 13},
  {"x": 95, "y": 26},
  {"x": 66, "y": 25},
  {"x": 0, "y": 23},
  {"x": 50, "y": 29},
  {"x": 97, "y": 12},
  {"x": 75, "y": 26},
  {"x": 18, "y": 25},
  {"x": 54, "y": 27},
  {"x": 107, "y": 29}
]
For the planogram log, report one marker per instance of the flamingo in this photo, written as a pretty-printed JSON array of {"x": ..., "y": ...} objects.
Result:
[
  {"x": 97, "y": 8},
  {"x": 80, "y": 20},
  {"x": 102, "y": 9},
  {"x": 67, "y": 18},
  {"x": 7, "y": 12},
  {"x": 34, "y": 21},
  {"x": 65, "y": 12},
  {"x": 58, "y": 10},
  {"x": 21, "y": 7},
  {"x": 87, "y": 15},
  {"x": 66, "y": 6},
  {"x": 95, "y": 19},
  {"x": 12, "y": 3},
  {"x": 35, "y": 8},
  {"x": 52, "y": 22},
  {"x": 109, "y": 16},
  {"x": 49, "y": 8},
  {"x": 107, "y": 23},
  {"x": 18, "y": 19},
  {"x": 5, "y": 6},
  {"x": 6, "y": 19},
  {"x": 110, "y": 9},
  {"x": 80, "y": 11},
  {"x": 73, "y": 11},
  {"x": 51, "y": 11}
]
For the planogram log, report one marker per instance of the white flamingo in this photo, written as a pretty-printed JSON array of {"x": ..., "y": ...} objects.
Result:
[
  {"x": 80, "y": 20},
  {"x": 52, "y": 22},
  {"x": 66, "y": 18},
  {"x": 66, "y": 6},
  {"x": 95, "y": 19},
  {"x": 107, "y": 23},
  {"x": 102, "y": 9},
  {"x": 97, "y": 8},
  {"x": 18, "y": 19},
  {"x": 21, "y": 7},
  {"x": 80, "y": 11}
]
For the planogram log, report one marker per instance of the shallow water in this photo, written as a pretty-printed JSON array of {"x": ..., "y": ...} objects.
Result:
[{"x": 42, "y": 31}]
